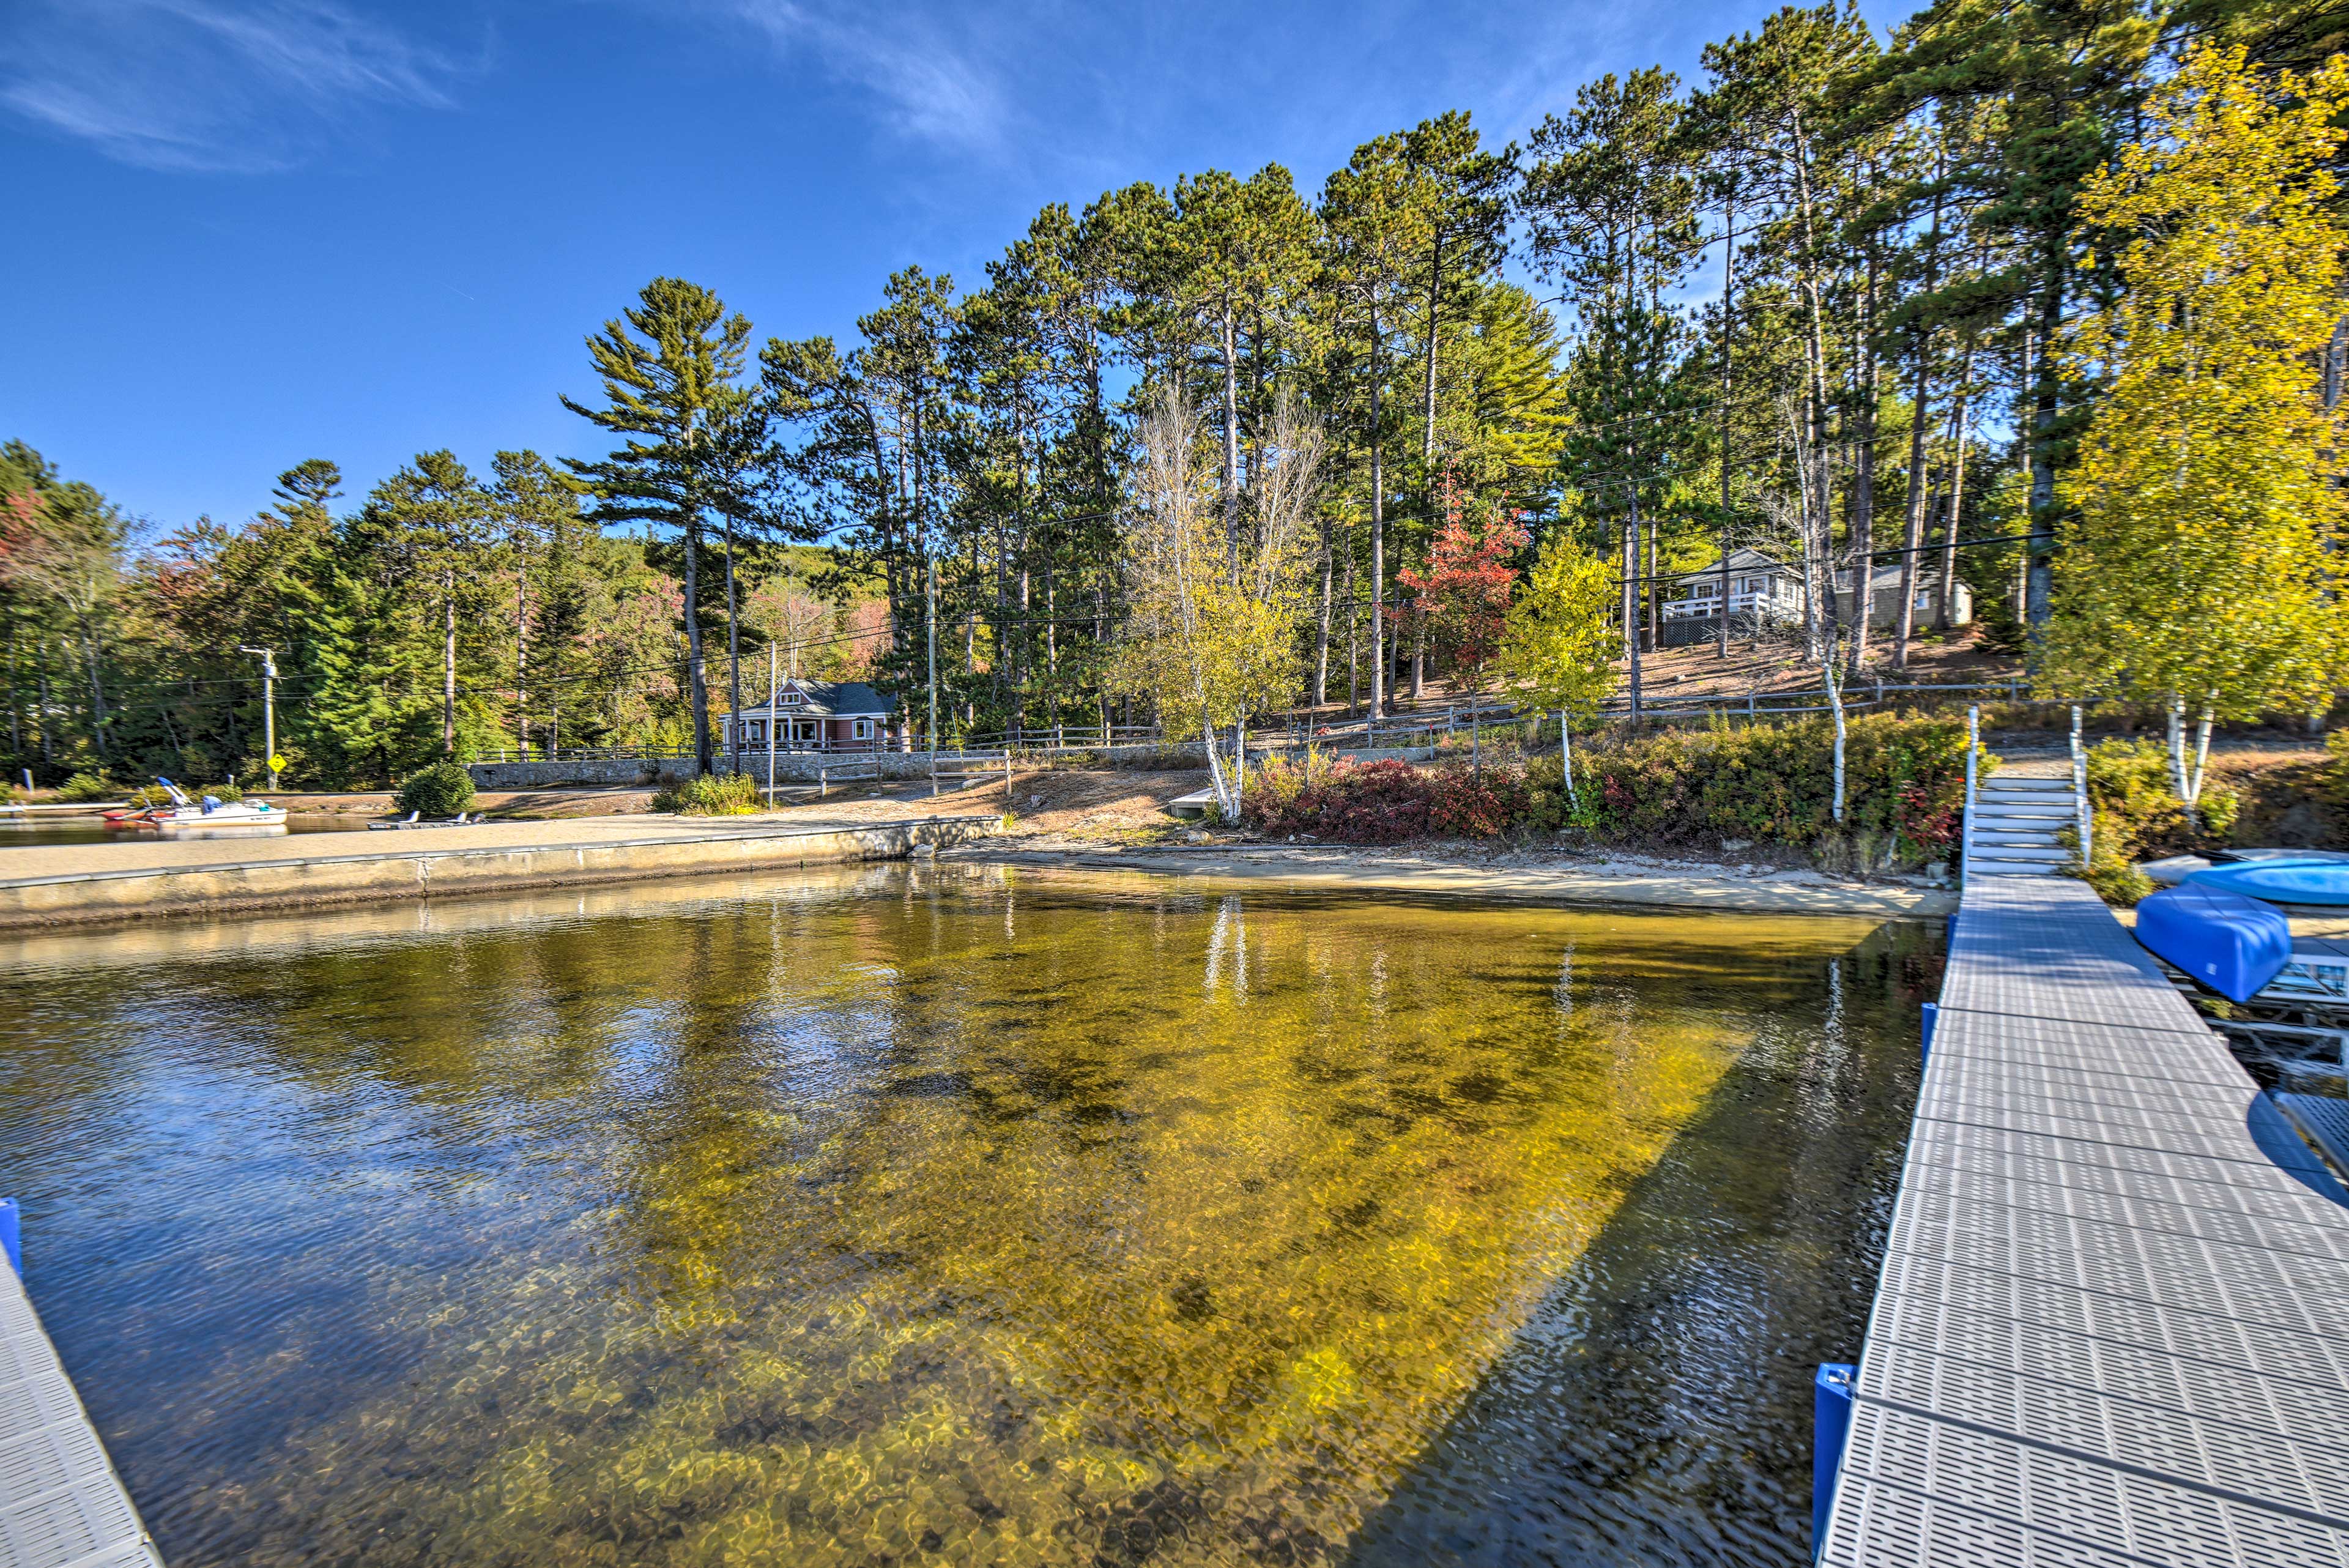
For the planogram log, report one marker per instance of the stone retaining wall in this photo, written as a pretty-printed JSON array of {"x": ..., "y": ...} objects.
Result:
[{"x": 396, "y": 874}]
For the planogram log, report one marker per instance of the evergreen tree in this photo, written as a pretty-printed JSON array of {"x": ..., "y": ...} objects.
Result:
[
  {"x": 432, "y": 520},
  {"x": 669, "y": 367}
]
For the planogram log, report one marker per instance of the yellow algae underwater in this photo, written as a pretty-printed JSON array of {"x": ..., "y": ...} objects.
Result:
[{"x": 976, "y": 1216}]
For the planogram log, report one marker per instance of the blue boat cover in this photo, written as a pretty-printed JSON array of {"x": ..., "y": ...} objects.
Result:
[
  {"x": 2284, "y": 880},
  {"x": 2232, "y": 944}
]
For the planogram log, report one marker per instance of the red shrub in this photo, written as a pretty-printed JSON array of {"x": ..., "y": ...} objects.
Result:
[{"x": 1391, "y": 801}]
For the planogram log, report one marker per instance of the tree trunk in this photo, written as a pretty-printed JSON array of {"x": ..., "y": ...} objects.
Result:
[
  {"x": 1816, "y": 356},
  {"x": 1378, "y": 535},
  {"x": 1427, "y": 438},
  {"x": 1231, "y": 448},
  {"x": 97, "y": 692},
  {"x": 1946, "y": 607},
  {"x": 1650, "y": 631},
  {"x": 1728, "y": 298},
  {"x": 734, "y": 663},
  {"x": 1427, "y": 457},
  {"x": 1322, "y": 634},
  {"x": 449, "y": 661},
  {"x": 1631, "y": 582},
  {"x": 1353, "y": 636},
  {"x": 2039, "y": 582},
  {"x": 1863, "y": 486},
  {"x": 521, "y": 652},
  {"x": 16, "y": 701},
  {"x": 1912, "y": 533},
  {"x": 697, "y": 685}
]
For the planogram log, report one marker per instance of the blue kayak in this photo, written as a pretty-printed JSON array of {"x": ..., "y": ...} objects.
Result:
[
  {"x": 2232, "y": 944},
  {"x": 2280, "y": 879}
]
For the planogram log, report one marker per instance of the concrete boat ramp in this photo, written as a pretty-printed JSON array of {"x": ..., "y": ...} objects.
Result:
[
  {"x": 2109, "y": 1326},
  {"x": 54, "y": 884}
]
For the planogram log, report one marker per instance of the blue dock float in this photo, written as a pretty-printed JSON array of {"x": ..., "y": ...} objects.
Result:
[
  {"x": 61, "y": 1504},
  {"x": 2109, "y": 1325}
]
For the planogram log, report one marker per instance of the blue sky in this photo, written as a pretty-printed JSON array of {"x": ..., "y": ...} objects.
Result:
[{"x": 249, "y": 232}]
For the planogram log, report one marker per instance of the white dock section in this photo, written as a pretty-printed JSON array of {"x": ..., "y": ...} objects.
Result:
[
  {"x": 61, "y": 1504},
  {"x": 2113, "y": 1324}
]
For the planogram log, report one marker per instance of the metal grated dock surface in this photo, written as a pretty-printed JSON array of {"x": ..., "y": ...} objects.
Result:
[
  {"x": 61, "y": 1505},
  {"x": 2324, "y": 1121},
  {"x": 2108, "y": 1327}
]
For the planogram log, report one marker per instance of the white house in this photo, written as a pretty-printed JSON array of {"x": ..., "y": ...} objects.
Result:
[
  {"x": 814, "y": 716},
  {"x": 1765, "y": 589},
  {"x": 1760, "y": 587}
]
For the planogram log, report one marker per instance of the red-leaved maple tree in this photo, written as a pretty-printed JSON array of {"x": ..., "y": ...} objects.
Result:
[{"x": 1464, "y": 593}]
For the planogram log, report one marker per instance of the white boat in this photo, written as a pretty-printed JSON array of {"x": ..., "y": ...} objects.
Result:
[{"x": 212, "y": 817}]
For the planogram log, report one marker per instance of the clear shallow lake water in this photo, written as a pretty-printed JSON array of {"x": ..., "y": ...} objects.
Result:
[{"x": 959, "y": 1215}]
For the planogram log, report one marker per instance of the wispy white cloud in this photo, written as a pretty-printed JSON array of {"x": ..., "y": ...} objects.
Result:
[
  {"x": 931, "y": 84},
  {"x": 211, "y": 85}
]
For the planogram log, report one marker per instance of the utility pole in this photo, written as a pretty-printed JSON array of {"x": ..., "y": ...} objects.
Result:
[{"x": 268, "y": 707}]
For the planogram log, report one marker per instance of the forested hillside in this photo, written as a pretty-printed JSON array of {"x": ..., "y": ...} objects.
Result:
[{"x": 1844, "y": 296}]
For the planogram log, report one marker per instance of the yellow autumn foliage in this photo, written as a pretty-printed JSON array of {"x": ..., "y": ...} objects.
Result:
[
  {"x": 2195, "y": 559},
  {"x": 1558, "y": 647}
]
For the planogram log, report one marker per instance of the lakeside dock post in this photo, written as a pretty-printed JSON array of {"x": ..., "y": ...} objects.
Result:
[
  {"x": 1830, "y": 1426},
  {"x": 1925, "y": 1032},
  {"x": 11, "y": 1235}
]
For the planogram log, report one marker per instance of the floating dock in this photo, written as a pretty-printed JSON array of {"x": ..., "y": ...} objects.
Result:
[
  {"x": 2110, "y": 1326},
  {"x": 61, "y": 1504}
]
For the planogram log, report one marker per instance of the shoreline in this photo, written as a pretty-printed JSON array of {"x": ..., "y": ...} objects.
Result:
[
  {"x": 84, "y": 884},
  {"x": 1605, "y": 883}
]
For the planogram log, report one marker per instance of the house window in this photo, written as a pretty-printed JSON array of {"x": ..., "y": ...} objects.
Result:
[
  {"x": 864, "y": 729},
  {"x": 1924, "y": 600},
  {"x": 754, "y": 733}
]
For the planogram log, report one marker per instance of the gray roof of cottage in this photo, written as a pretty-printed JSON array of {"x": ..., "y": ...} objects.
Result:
[
  {"x": 1887, "y": 574},
  {"x": 1742, "y": 559},
  {"x": 827, "y": 699}
]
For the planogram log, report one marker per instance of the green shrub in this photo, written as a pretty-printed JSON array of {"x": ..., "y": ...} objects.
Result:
[
  {"x": 2137, "y": 812},
  {"x": 2118, "y": 881},
  {"x": 443, "y": 789},
  {"x": 87, "y": 784},
  {"x": 1904, "y": 786},
  {"x": 1904, "y": 782},
  {"x": 711, "y": 794},
  {"x": 2335, "y": 775}
]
